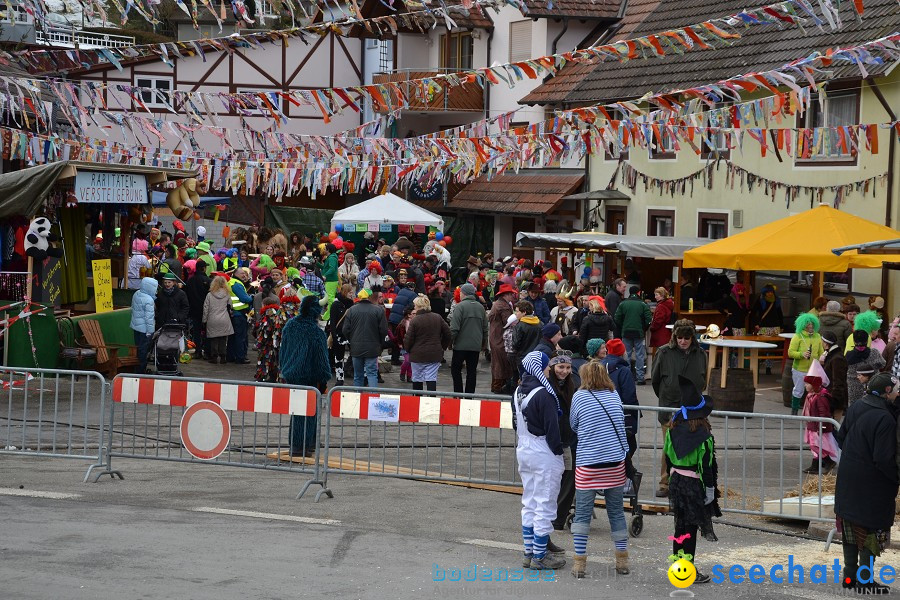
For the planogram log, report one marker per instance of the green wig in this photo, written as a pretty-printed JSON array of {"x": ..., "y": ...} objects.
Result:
[
  {"x": 266, "y": 262},
  {"x": 805, "y": 319},
  {"x": 292, "y": 273},
  {"x": 868, "y": 321}
]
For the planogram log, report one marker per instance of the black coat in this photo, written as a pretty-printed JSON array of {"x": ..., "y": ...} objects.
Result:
[
  {"x": 594, "y": 325},
  {"x": 867, "y": 479},
  {"x": 196, "y": 289},
  {"x": 172, "y": 307}
]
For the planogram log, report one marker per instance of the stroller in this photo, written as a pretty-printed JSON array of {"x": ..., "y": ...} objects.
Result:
[
  {"x": 167, "y": 345},
  {"x": 632, "y": 488}
]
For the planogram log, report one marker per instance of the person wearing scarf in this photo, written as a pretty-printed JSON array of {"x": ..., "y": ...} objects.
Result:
[
  {"x": 736, "y": 308},
  {"x": 539, "y": 452},
  {"x": 862, "y": 363},
  {"x": 690, "y": 453},
  {"x": 303, "y": 360}
]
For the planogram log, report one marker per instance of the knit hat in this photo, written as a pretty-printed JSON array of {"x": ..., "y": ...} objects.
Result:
[
  {"x": 570, "y": 343},
  {"x": 833, "y": 306},
  {"x": 534, "y": 364},
  {"x": 860, "y": 338},
  {"x": 867, "y": 370},
  {"x": 813, "y": 380},
  {"x": 593, "y": 345},
  {"x": 882, "y": 384},
  {"x": 559, "y": 359},
  {"x": 549, "y": 330},
  {"x": 203, "y": 247},
  {"x": 468, "y": 289},
  {"x": 363, "y": 294},
  {"x": 829, "y": 338},
  {"x": 615, "y": 347}
]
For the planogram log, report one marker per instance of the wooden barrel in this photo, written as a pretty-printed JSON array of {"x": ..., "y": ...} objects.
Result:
[
  {"x": 739, "y": 395},
  {"x": 787, "y": 383}
]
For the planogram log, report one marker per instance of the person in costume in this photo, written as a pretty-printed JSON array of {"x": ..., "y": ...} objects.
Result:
[
  {"x": 806, "y": 346},
  {"x": 539, "y": 451},
  {"x": 303, "y": 360},
  {"x": 690, "y": 453},
  {"x": 819, "y": 436},
  {"x": 867, "y": 482},
  {"x": 330, "y": 275}
]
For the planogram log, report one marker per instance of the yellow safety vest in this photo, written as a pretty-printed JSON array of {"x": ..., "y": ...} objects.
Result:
[{"x": 236, "y": 303}]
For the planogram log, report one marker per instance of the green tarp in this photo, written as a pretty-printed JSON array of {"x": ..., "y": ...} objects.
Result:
[
  {"x": 22, "y": 192},
  {"x": 304, "y": 220}
]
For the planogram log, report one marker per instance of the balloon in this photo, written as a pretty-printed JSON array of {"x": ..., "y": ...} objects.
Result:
[
  {"x": 332, "y": 236},
  {"x": 439, "y": 236},
  {"x": 339, "y": 227},
  {"x": 448, "y": 240},
  {"x": 197, "y": 216},
  {"x": 338, "y": 243},
  {"x": 442, "y": 243}
]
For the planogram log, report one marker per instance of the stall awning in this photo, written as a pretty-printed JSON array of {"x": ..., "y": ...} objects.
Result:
[
  {"x": 637, "y": 246},
  {"x": 800, "y": 242},
  {"x": 524, "y": 193},
  {"x": 387, "y": 209},
  {"x": 22, "y": 192}
]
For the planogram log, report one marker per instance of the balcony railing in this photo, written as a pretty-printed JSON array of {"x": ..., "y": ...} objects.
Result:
[
  {"x": 466, "y": 97},
  {"x": 63, "y": 36}
]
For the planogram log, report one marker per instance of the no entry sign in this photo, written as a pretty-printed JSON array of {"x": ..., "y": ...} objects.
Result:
[{"x": 205, "y": 430}]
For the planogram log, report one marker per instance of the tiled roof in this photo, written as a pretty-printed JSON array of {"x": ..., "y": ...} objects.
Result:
[
  {"x": 587, "y": 9},
  {"x": 761, "y": 48},
  {"x": 537, "y": 192}
]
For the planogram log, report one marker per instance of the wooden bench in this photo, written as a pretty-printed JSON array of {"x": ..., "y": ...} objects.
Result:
[
  {"x": 111, "y": 358},
  {"x": 70, "y": 347}
]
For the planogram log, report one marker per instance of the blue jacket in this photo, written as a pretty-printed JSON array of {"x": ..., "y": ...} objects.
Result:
[
  {"x": 541, "y": 414},
  {"x": 620, "y": 373},
  {"x": 403, "y": 299},
  {"x": 541, "y": 310},
  {"x": 143, "y": 306}
]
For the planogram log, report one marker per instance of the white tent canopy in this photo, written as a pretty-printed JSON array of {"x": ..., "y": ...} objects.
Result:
[
  {"x": 387, "y": 208},
  {"x": 638, "y": 246}
]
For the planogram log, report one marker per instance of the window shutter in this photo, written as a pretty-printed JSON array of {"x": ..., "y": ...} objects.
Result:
[{"x": 520, "y": 40}]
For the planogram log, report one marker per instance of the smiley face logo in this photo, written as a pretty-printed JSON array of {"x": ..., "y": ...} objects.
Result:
[{"x": 682, "y": 573}]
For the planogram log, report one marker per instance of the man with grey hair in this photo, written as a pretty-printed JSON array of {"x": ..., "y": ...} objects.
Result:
[
  {"x": 469, "y": 332},
  {"x": 833, "y": 321}
]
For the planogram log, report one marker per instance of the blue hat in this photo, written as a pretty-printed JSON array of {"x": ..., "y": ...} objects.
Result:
[{"x": 550, "y": 330}]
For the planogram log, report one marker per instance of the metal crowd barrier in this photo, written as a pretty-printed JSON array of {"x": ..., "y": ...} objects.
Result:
[
  {"x": 53, "y": 412},
  {"x": 146, "y": 420},
  {"x": 761, "y": 459},
  {"x": 433, "y": 436}
]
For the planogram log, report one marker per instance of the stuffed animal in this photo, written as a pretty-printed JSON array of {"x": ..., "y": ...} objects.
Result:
[
  {"x": 184, "y": 199},
  {"x": 38, "y": 238}
]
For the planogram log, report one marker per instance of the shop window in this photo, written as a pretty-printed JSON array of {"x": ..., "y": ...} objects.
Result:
[
  {"x": 839, "y": 108},
  {"x": 156, "y": 92},
  {"x": 712, "y": 225},
  {"x": 456, "y": 51},
  {"x": 661, "y": 222}
]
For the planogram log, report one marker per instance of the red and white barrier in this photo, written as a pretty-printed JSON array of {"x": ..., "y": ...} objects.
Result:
[
  {"x": 245, "y": 398},
  {"x": 433, "y": 410}
]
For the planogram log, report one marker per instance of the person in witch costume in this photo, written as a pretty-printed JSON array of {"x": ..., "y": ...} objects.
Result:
[{"x": 690, "y": 453}]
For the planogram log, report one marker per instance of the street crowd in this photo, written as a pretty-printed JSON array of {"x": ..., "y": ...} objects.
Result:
[{"x": 570, "y": 355}]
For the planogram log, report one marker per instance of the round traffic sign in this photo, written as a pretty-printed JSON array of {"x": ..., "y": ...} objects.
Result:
[{"x": 205, "y": 430}]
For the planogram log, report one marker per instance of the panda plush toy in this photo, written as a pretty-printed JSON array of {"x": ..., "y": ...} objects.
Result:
[{"x": 38, "y": 238}]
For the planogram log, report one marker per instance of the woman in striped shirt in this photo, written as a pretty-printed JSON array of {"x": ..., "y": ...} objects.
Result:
[{"x": 598, "y": 420}]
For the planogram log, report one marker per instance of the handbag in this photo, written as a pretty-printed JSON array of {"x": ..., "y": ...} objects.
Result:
[
  {"x": 629, "y": 466},
  {"x": 336, "y": 328}
]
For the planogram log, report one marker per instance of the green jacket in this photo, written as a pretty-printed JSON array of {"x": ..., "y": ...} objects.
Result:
[
  {"x": 633, "y": 317},
  {"x": 330, "y": 268},
  {"x": 469, "y": 325},
  {"x": 802, "y": 342}
]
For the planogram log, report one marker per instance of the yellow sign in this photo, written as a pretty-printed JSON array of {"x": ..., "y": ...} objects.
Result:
[{"x": 103, "y": 296}]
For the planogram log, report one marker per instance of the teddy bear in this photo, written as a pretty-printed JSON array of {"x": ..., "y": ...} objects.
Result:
[
  {"x": 38, "y": 238},
  {"x": 184, "y": 199}
]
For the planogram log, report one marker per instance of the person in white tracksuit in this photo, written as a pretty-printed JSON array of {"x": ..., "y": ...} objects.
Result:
[{"x": 539, "y": 451}]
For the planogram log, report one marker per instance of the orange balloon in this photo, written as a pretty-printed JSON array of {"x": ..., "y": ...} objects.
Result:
[
  {"x": 226, "y": 231},
  {"x": 333, "y": 235},
  {"x": 197, "y": 216},
  {"x": 442, "y": 243}
]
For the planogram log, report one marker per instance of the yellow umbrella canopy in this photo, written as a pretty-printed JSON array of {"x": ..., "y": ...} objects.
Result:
[{"x": 797, "y": 243}]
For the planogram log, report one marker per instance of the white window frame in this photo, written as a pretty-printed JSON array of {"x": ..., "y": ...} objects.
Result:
[
  {"x": 720, "y": 139},
  {"x": 667, "y": 152},
  {"x": 257, "y": 112},
  {"x": 21, "y": 16},
  {"x": 726, "y": 216},
  {"x": 141, "y": 81},
  {"x": 830, "y": 96}
]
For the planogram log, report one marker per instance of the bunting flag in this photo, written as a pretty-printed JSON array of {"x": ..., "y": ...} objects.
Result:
[{"x": 743, "y": 181}]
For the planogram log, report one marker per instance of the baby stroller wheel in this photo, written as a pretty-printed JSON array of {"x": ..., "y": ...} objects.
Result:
[{"x": 637, "y": 525}]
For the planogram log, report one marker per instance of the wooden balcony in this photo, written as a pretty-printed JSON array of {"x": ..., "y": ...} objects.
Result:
[{"x": 466, "y": 97}]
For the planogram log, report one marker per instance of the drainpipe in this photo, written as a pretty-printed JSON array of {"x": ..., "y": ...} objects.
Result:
[
  {"x": 561, "y": 33},
  {"x": 487, "y": 85},
  {"x": 892, "y": 152},
  {"x": 362, "y": 69}
]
